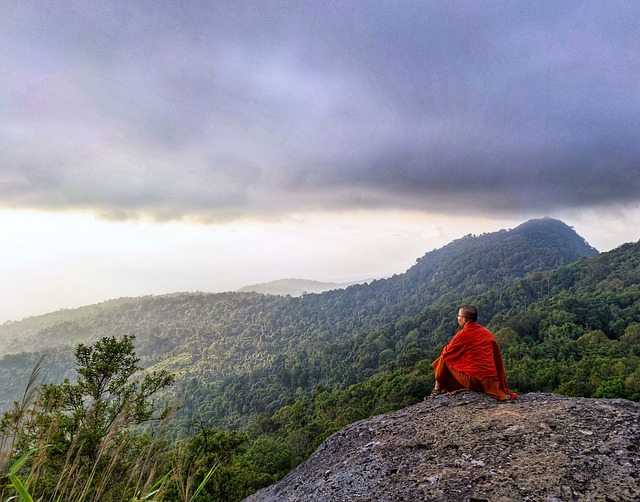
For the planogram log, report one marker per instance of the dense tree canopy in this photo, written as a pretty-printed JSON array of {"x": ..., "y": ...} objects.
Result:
[{"x": 270, "y": 377}]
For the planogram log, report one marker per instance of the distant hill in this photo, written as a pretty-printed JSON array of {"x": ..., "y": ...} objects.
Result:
[
  {"x": 295, "y": 287},
  {"x": 238, "y": 353}
]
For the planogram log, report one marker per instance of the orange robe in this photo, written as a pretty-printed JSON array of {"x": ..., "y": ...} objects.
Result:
[{"x": 472, "y": 360}]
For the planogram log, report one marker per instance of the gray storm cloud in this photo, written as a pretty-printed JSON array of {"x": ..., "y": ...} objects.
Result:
[{"x": 244, "y": 108}]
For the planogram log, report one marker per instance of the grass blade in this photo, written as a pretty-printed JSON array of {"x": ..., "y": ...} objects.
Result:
[
  {"x": 22, "y": 491},
  {"x": 204, "y": 482}
]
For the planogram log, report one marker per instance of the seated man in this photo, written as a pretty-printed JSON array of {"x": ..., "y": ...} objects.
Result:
[{"x": 472, "y": 360}]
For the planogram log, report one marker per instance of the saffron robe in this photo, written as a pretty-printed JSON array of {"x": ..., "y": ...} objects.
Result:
[{"x": 473, "y": 360}]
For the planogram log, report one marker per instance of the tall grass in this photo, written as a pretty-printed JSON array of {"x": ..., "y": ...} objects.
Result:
[
  {"x": 154, "y": 492},
  {"x": 145, "y": 482},
  {"x": 12, "y": 425},
  {"x": 33, "y": 469}
]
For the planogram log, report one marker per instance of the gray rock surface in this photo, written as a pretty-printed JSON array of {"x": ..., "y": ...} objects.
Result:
[{"x": 470, "y": 447}]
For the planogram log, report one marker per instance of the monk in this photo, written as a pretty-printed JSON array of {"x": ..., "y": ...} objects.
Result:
[{"x": 472, "y": 360}]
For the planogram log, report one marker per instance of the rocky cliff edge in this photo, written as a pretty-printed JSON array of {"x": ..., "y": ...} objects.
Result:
[{"x": 470, "y": 447}]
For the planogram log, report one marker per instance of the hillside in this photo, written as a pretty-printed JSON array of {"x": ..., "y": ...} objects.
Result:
[
  {"x": 236, "y": 354},
  {"x": 464, "y": 267},
  {"x": 470, "y": 447},
  {"x": 263, "y": 380}
]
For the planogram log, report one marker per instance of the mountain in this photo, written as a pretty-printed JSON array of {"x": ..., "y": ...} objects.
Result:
[
  {"x": 472, "y": 447},
  {"x": 294, "y": 287},
  {"x": 475, "y": 263},
  {"x": 272, "y": 377},
  {"x": 464, "y": 267},
  {"x": 235, "y": 354}
]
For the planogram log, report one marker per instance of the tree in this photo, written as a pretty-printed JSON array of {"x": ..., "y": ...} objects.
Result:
[
  {"x": 88, "y": 426},
  {"x": 107, "y": 372},
  {"x": 507, "y": 337},
  {"x": 210, "y": 461}
]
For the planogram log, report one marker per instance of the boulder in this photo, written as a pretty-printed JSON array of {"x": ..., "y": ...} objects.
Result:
[{"x": 470, "y": 447}]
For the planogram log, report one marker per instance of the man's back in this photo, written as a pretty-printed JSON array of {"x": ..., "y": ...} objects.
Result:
[{"x": 472, "y": 351}]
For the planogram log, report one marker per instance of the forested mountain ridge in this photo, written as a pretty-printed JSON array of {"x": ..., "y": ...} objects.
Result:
[
  {"x": 535, "y": 245},
  {"x": 267, "y": 348},
  {"x": 473, "y": 264},
  {"x": 262, "y": 380}
]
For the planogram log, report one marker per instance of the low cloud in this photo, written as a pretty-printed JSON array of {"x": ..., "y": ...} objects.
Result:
[{"x": 240, "y": 111}]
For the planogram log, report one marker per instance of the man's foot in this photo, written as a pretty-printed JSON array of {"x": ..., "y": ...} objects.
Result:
[
  {"x": 436, "y": 393},
  {"x": 454, "y": 392}
]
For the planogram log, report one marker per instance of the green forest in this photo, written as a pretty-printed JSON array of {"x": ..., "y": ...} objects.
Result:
[{"x": 212, "y": 396}]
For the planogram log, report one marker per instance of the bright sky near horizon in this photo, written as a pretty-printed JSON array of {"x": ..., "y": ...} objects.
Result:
[{"x": 151, "y": 147}]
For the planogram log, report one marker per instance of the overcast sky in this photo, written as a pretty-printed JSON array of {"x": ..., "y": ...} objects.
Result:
[{"x": 156, "y": 146}]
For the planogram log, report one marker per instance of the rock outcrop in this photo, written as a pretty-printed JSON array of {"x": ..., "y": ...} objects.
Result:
[{"x": 470, "y": 447}]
